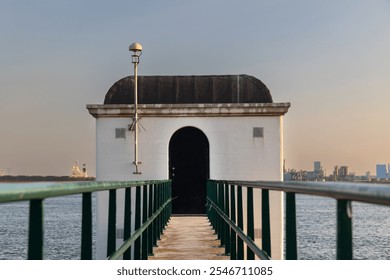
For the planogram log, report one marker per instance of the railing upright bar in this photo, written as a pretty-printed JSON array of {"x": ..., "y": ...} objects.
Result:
[
  {"x": 160, "y": 217},
  {"x": 162, "y": 213},
  {"x": 111, "y": 236},
  {"x": 291, "y": 227},
  {"x": 168, "y": 197},
  {"x": 216, "y": 216},
  {"x": 127, "y": 222},
  {"x": 265, "y": 222},
  {"x": 250, "y": 222},
  {"x": 137, "y": 223},
  {"x": 213, "y": 192},
  {"x": 240, "y": 223},
  {"x": 233, "y": 235},
  {"x": 208, "y": 195},
  {"x": 227, "y": 227},
  {"x": 166, "y": 211},
  {"x": 35, "y": 235},
  {"x": 344, "y": 230},
  {"x": 215, "y": 200},
  {"x": 150, "y": 229},
  {"x": 155, "y": 222},
  {"x": 221, "y": 223},
  {"x": 86, "y": 227},
  {"x": 144, "y": 250}
]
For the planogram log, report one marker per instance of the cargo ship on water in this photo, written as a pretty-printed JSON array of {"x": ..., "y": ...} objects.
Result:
[{"x": 77, "y": 174}]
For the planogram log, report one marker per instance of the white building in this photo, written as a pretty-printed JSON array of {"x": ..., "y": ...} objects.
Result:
[{"x": 193, "y": 128}]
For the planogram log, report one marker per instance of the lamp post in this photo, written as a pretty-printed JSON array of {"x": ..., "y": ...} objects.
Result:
[{"x": 136, "y": 48}]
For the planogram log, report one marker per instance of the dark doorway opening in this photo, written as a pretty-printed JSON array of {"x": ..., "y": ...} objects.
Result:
[{"x": 189, "y": 170}]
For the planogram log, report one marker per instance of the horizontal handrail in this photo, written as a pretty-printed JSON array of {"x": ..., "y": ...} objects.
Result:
[
  {"x": 362, "y": 192},
  {"x": 20, "y": 192}
]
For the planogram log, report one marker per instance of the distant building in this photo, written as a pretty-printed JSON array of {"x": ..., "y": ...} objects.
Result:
[
  {"x": 317, "y": 165},
  {"x": 381, "y": 172},
  {"x": 343, "y": 172},
  {"x": 318, "y": 172},
  {"x": 336, "y": 172}
]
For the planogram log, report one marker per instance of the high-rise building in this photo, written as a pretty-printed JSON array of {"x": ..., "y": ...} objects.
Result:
[
  {"x": 381, "y": 171},
  {"x": 343, "y": 172},
  {"x": 317, "y": 166},
  {"x": 336, "y": 172}
]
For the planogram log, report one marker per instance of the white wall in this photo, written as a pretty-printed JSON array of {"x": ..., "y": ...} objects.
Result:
[{"x": 234, "y": 154}]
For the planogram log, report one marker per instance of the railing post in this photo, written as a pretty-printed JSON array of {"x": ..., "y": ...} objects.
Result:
[
  {"x": 170, "y": 196},
  {"x": 155, "y": 222},
  {"x": 240, "y": 223},
  {"x": 137, "y": 224},
  {"x": 165, "y": 211},
  {"x": 150, "y": 228},
  {"x": 111, "y": 236},
  {"x": 35, "y": 235},
  {"x": 144, "y": 219},
  {"x": 233, "y": 236},
  {"x": 227, "y": 227},
  {"x": 221, "y": 198},
  {"x": 208, "y": 196},
  {"x": 265, "y": 222},
  {"x": 86, "y": 227},
  {"x": 250, "y": 222},
  {"x": 127, "y": 222},
  {"x": 215, "y": 200},
  {"x": 291, "y": 228},
  {"x": 160, "y": 216},
  {"x": 344, "y": 230},
  {"x": 212, "y": 196}
]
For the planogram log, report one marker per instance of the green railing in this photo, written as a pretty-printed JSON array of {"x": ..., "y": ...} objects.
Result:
[
  {"x": 152, "y": 212},
  {"x": 225, "y": 212},
  {"x": 227, "y": 218}
]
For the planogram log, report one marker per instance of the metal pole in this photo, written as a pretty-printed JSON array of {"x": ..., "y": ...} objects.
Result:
[
  {"x": 136, "y": 48},
  {"x": 136, "y": 162}
]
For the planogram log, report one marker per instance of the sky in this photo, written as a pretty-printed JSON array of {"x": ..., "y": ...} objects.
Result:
[{"x": 330, "y": 59}]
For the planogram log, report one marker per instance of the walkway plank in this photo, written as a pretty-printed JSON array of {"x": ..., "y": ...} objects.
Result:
[{"x": 189, "y": 238}]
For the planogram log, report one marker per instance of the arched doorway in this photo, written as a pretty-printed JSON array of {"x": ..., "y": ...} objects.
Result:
[{"x": 189, "y": 169}]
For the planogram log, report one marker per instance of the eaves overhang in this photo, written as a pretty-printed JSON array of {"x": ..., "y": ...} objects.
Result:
[{"x": 189, "y": 110}]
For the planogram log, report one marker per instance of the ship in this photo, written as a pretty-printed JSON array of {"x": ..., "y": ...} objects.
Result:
[{"x": 78, "y": 172}]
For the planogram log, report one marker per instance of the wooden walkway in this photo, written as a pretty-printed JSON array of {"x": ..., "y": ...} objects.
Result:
[{"x": 189, "y": 238}]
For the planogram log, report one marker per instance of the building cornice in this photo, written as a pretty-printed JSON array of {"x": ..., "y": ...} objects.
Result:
[{"x": 189, "y": 110}]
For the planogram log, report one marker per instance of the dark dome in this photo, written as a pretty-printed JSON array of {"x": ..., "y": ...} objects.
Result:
[{"x": 189, "y": 90}]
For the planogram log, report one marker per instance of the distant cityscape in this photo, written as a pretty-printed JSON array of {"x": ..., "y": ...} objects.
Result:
[{"x": 340, "y": 173}]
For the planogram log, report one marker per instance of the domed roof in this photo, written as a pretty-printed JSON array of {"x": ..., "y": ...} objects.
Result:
[{"x": 189, "y": 90}]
